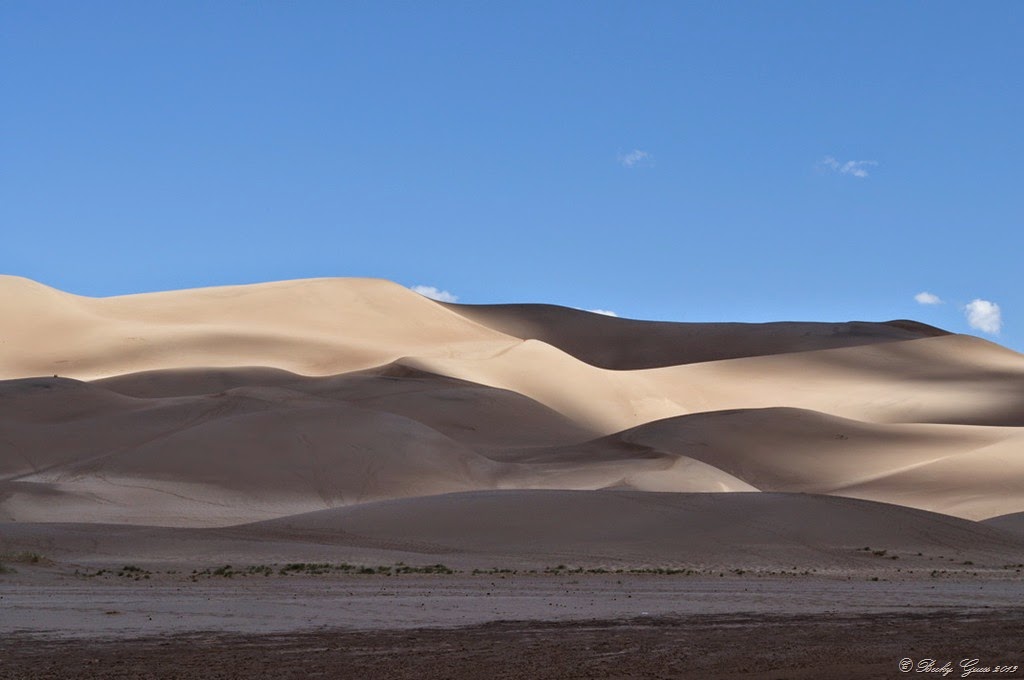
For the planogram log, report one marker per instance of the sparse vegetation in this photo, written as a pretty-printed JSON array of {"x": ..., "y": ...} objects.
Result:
[
  {"x": 25, "y": 557},
  {"x": 428, "y": 569},
  {"x": 136, "y": 573},
  {"x": 320, "y": 569},
  {"x": 133, "y": 572},
  {"x": 663, "y": 571}
]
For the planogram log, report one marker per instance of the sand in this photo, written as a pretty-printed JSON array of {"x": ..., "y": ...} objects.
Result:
[{"x": 354, "y": 421}]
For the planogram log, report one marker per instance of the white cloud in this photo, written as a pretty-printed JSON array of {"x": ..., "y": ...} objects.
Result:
[
  {"x": 855, "y": 168},
  {"x": 926, "y": 298},
  {"x": 606, "y": 312},
  {"x": 984, "y": 316},
  {"x": 435, "y": 294},
  {"x": 634, "y": 158}
]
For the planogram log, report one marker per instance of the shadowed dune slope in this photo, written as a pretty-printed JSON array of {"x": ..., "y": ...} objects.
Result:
[
  {"x": 1012, "y": 523},
  {"x": 299, "y": 444},
  {"x": 76, "y": 450},
  {"x": 736, "y": 528},
  {"x": 470, "y": 413},
  {"x": 627, "y": 344},
  {"x": 192, "y": 382},
  {"x": 523, "y": 529}
]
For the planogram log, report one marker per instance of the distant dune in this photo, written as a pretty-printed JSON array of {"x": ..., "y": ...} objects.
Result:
[
  {"x": 626, "y": 344},
  {"x": 498, "y": 428}
]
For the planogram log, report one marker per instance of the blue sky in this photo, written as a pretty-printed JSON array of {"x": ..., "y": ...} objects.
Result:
[{"x": 741, "y": 161}]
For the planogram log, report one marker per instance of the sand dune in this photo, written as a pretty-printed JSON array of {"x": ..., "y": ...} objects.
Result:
[
  {"x": 967, "y": 471},
  {"x": 950, "y": 379},
  {"x": 78, "y": 450},
  {"x": 227, "y": 406},
  {"x": 638, "y": 527},
  {"x": 626, "y": 344},
  {"x": 467, "y": 412},
  {"x": 518, "y": 529},
  {"x": 246, "y": 453},
  {"x": 315, "y": 327},
  {"x": 1012, "y": 523}
]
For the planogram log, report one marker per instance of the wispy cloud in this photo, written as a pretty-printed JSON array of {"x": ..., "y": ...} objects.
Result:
[
  {"x": 926, "y": 298},
  {"x": 634, "y": 158},
  {"x": 984, "y": 316},
  {"x": 435, "y": 294},
  {"x": 606, "y": 312},
  {"x": 854, "y": 168}
]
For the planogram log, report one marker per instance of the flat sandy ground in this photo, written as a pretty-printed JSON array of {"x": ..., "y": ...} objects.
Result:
[
  {"x": 725, "y": 646},
  {"x": 506, "y": 626}
]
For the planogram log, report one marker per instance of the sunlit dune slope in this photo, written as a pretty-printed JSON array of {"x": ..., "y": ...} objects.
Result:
[
  {"x": 967, "y": 471},
  {"x": 949, "y": 379},
  {"x": 314, "y": 327}
]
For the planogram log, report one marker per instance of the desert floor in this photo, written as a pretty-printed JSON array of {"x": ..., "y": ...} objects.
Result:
[{"x": 464, "y": 625}]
